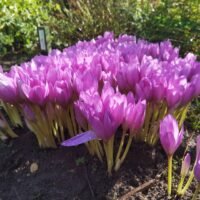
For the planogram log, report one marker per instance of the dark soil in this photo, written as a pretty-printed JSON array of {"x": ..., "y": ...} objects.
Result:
[{"x": 72, "y": 174}]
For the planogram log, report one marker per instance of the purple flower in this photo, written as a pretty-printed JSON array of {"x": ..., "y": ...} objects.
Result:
[
  {"x": 104, "y": 127},
  {"x": 80, "y": 139},
  {"x": 144, "y": 89},
  {"x": 62, "y": 92},
  {"x": 134, "y": 115},
  {"x": 185, "y": 165},
  {"x": 197, "y": 170},
  {"x": 198, "y": 148},
  {"x": 37, "y": 93},
  {"x": 188, "y": 94},
  {"x": 197, "y": 162},
  {"x": 132, "y": 73},
  {"x": 170, "y": 136},
  {"x": 158, "y": 89},
  {"x": 81, "y": 114},
  {"x": 8, "y": 89},
  {"x": 196, "y": 82},
  {"x": 115, "y": 105},
  {"x": 175, "y": 91}
]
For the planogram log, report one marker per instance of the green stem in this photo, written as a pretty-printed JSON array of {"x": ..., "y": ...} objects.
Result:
[
  {"x": 73, "y": 119},
  {"x": 108, "y": 147},
  {"x": 183, "y": 115},
  {"x": 147, "y": 121},
  {"x": 120, "y": 146},
  {"x": 154, "y": 118},
  {"x": 180, "y": 185},
  {"x": 100, "y": 147},
  {"x": 188, "y": 183},
  {"x": 121, "y": 160},
  {"x": 196, "y": 192},
  {"x": 127, "y": 148},
  {"x": 169, "y": 189},
  {"x": 69, "y": 124},
  {"x": 97, "y": 150}
]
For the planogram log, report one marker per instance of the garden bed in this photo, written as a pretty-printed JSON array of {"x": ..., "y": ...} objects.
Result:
[{"x": 71, "y": 173}]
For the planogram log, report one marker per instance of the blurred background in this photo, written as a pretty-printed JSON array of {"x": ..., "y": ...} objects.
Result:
[{"x": 69, "y": 21}]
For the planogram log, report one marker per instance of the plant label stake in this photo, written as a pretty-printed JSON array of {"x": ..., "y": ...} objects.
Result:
[{"x": 43, "y": 40}]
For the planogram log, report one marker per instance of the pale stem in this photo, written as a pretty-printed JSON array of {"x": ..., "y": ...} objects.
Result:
[
  {"x": 121, "y": 160},
  {"x": 187, "y": 185},
  {"x": 100, "y": 147},
  {"x": 162, "y": 113},
  {"x": 98, "y": 151},
  {"x": 73, "y": 119},
  {"x": 183, "y": 115},
  {"x": 89, "y": 148},
  {"x": 108, "y": 147},
  {"x": 169, "y": 187},
  {"x": 147, "y": 120},
  {"x": 120, "y": 146},
  {"x": 180, "y": 185},
  {"x": 13, "y": 114},
  {"x": 92, "y": 147},
  {"x": 42, "y": 124},
  {"x": 33, "y": 128},
  {"x": 69, "y": 124},
  {"x": 153, "y": 121}
]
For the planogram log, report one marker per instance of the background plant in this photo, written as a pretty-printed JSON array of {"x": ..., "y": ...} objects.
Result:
[
  {"x": 193, "y": 116},
  {"x": 71, "y": 21},
  {"x": 18, "y": 24}
]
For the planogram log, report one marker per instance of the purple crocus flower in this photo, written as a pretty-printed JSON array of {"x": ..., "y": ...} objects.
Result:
[
  {"x": 175, "y": 91},
  {"x": 196, "y": 82},
  {"x": 198, "y": 147},
  {"x": 158, "y": 89},
  {"x": 104, "y": 127},
  {"x": 197, "y": 170},
  {"x": 8, "y": 89},
  {"x": 197, "y": 162},
  {"x": 134, "y": 115},
  {"x": 185, "y": 165},
  {"x": 170, "y": 136},
  {"x": 104, "y": 114},
  {"x": 62, "y": 92},
  {"x": 37, "y": 94},
  {"x": 188, "y": 94},
  {"x": 144, "y": 89}
]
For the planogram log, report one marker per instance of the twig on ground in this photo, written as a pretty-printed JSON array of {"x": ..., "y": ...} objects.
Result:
[
  {"x": 88, "y": 181},
  {"x": 16, "y": 193},
  {"x": 140, "y": 188}
]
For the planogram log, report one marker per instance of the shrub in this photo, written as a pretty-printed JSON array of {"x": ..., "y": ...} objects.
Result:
[{"x": 18, "y": 24}]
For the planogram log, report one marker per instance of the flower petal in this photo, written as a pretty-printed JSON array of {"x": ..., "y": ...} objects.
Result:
[{"x": 80, "y": 139}]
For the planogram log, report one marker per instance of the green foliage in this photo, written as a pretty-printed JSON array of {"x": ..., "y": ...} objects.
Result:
[
  {"x": 18, "y": 24},
  {"x": 193, "y": 116},
  {"x": 86, "y": 19},
  {"x": 157, "y": 20},
  {"x": 178, "y": 20},
  {"x": 70, "y": 21}
]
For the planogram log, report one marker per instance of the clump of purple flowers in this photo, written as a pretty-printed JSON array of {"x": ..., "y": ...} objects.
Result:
[{"x": 98, "y": 86}]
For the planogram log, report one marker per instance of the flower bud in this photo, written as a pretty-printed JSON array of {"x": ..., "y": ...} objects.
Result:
[
  {"x": 197, "y": 171},
  {"x": 185, "y": 165}
]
